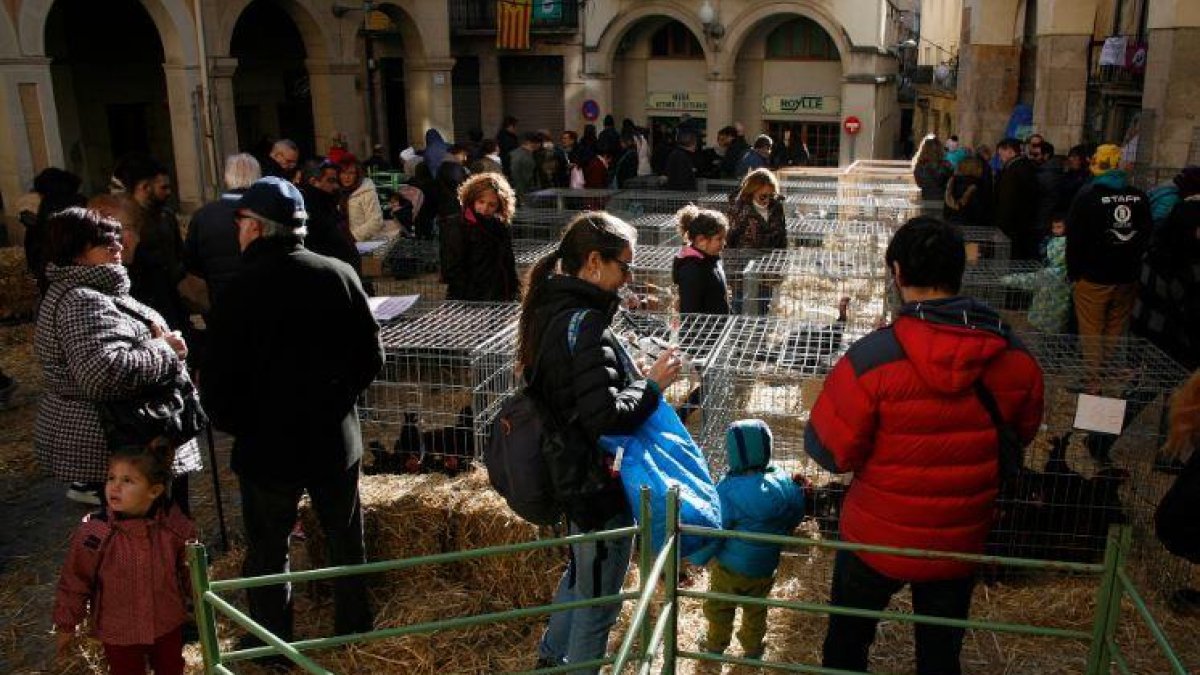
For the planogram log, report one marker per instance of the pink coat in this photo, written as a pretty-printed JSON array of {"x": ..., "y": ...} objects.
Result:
[{"x": 131, "y": 571}]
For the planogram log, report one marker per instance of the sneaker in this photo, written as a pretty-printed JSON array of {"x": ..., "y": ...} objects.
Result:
[{"x": 85, "y": 493}]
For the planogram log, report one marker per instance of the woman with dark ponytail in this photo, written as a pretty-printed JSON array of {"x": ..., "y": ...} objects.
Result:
[
  {"x": 574, "y": 364},
  {"x": 697, "y": 268}
]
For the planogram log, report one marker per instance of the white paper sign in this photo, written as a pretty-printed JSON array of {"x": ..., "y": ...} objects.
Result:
[
  {"x": 388, "y": 307},
  {"x": 366, "y": 247},
  {"x": 1113, "y": 52},
  {"x": 1098, "y": 413}
]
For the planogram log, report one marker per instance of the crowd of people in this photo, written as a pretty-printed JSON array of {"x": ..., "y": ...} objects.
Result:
[{"x": 263, "y": 304}]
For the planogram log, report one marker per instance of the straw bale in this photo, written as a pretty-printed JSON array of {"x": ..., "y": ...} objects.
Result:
[{"x": 18, "y": 290}]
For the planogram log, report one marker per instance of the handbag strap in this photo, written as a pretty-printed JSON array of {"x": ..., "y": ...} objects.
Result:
[{"x": 989, "y": 403}]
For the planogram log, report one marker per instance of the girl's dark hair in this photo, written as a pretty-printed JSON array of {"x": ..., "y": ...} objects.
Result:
[
  {"x": 694, "y": 221},
  {"x": 589, "y": 231},
  {"x": 930, "y": 252},
  {"x": 75, "y": 229},
  {"x": 154, "y": 461}
]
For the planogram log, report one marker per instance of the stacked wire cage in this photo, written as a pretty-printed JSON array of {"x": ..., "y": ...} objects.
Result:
[
  {"x": 410, "y": 267},
  {"x": 773, "y": 369},
  {"x": 816, "y": 285},
  {"x": 570, "y": 200},
  {"x": 631, "y": 203},
  {"x": 1076, "y": 482},
  {"x": 986, "y": 244},
  {"x": 655, "y": 229},
  {"x": 539, "y": 222},
  {"x": 837, "y": 235},
  {"x": 422, "y": 400},
  {"x": 995, "y": 282}
]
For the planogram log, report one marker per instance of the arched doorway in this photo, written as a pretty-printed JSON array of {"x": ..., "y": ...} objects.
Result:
[
  {"x": 660, "y": 74},
  {"x": 272, "y": 92},
  {"x": 110, "y": 92},
  {"x": 789, "y": 75},
  {"x": 388, "y": 31}
]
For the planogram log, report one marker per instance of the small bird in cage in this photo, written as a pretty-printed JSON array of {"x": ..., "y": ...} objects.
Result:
[
  {"x": 409, "y": 450},
  {"x": 449, "y": 450}
]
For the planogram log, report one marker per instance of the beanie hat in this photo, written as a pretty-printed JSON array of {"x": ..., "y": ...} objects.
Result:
[
  {"x": 276, "y": 200},
  {"x": 748, "y": 443},
  {"x": 1188, "y": 181},
  {"x": 1106, "y": 158}
]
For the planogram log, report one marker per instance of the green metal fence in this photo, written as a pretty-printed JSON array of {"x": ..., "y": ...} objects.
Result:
[{"x": 652, "y": 642}]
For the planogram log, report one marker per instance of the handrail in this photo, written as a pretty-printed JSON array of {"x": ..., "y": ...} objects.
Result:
[{"x": 662, "y": 571}]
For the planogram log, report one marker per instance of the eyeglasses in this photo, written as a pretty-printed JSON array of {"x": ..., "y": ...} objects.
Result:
[{"x": 626, "y": 267}]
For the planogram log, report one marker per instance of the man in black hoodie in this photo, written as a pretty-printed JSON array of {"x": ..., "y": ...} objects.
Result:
[{"x": 681, "y": 164}]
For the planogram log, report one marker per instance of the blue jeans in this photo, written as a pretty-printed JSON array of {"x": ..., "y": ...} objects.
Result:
[{"x": 595, "y": 569}]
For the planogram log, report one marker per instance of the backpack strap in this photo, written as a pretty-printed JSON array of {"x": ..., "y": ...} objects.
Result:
[{"x": 1011, "y": 450}]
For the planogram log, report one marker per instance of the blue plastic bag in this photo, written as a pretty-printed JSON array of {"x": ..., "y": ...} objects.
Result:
[{"x": 660, "y": 455}]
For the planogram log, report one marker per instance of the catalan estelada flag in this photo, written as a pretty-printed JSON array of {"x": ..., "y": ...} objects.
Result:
[{"x": 512, "y": 23}]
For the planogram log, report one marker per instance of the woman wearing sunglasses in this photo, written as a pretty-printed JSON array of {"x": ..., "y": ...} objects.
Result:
[{"x": 756, "y": 221}]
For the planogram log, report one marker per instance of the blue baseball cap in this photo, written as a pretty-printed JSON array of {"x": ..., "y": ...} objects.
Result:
[{"x": 276, "y": 200}]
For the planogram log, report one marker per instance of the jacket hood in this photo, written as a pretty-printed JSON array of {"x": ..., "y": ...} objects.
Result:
[
  {"x": 365, "y": 185},
  {"x": 435, "y": 150},
  {"x": 1116, "y": 179},
  {"x": 748, "y": 443},
  {"x": 689, "y": 251},
  {"x": 950, "y": 341}
]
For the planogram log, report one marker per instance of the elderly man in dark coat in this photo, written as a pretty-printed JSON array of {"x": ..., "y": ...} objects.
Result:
[{"x": 293, "y": 344}]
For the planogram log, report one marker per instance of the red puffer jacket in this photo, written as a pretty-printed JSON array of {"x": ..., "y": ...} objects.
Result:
[{"x": 900, "y": 411}]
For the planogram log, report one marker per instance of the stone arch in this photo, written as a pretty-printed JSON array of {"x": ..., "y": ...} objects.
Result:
[
  {"x": 410, "y": 30},
  {"x": 310, "y": 22},
  {"x": 744, "y": 24},
  {"x": 616, "y": 29},
  {"x": 172, "y": 18}
]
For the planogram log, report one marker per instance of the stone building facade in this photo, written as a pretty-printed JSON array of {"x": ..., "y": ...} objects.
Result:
[
  {"x": 191, "y": 81},
  {"x": 1050, "y": 54}
]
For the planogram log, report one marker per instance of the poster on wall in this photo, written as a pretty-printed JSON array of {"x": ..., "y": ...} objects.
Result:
[
  {"x": 677, "y": 101},
  {"x": 547, "y": 10},
  {"x": 793, "y": 104}
]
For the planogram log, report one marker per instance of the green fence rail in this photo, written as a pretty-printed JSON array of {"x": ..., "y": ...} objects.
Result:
[{"x": 648, "y": 641}]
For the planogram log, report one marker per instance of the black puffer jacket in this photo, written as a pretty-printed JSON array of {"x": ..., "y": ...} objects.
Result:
[
  {"x": 701, "y": 281},
  {"x": 478, "y": 263},
  {"x": 596, "y": 384},
  {"x": 325, "y": 234}
]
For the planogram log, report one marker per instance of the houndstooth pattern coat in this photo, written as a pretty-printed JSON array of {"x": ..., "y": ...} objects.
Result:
[{"x": 90, "y": 350}]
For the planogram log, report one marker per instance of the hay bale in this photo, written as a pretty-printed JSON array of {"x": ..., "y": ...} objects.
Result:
[{"x": 18, "y": 289}]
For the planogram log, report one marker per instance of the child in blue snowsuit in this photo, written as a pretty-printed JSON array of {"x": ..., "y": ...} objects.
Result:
[{"x": 755, "y": 497}]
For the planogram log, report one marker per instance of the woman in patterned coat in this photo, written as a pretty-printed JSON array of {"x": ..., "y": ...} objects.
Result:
[{"x": 95, "y": 342}]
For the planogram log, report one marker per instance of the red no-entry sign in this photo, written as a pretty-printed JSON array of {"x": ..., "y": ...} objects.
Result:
[{"x": 852, "y": 125}]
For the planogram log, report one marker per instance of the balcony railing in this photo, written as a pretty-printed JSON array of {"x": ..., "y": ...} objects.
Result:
[
  {"x": 1114, "y": 65},
  {"x": 942, "y": 77},
  {"x": 479, "y": 17}
]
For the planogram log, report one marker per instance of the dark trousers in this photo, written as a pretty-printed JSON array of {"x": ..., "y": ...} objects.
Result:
[
  {"x": 269, "y": 510},
  {"x": 855, "y": 584},
  {"x": 165, "y": 656}
]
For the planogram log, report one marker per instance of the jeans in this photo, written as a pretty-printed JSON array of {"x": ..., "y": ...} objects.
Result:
[
  {"x": 595, "y": 569},
  {"x": 855, "y": 584},
  {"x": 269, "y": 510}
]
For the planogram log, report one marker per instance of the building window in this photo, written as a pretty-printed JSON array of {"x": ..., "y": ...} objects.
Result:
[
  {"x": 801, "y": 39},
  {"x": 675, "y": 41}
]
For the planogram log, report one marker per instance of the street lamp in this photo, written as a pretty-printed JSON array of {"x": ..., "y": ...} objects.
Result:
[{"x": 708, "y": 17}]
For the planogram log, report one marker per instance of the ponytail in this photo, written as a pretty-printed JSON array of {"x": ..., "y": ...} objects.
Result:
[{"x": 694, "y": 221}]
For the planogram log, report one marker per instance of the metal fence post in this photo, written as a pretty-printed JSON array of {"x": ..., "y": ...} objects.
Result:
[
  {"x": 206, "y": 623},
  {"x": 645, "y": 558},
  {"x": 1108, "y": 601},
  {"x": 671, "y": 587}
]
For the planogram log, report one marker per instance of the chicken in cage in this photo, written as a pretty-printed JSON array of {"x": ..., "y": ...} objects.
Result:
[{"x": 808, "y": 285}]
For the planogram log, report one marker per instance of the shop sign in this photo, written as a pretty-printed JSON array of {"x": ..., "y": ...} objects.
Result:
[
  {"x": 681, "y": 101},
  {"x": 799, "y": 105}
]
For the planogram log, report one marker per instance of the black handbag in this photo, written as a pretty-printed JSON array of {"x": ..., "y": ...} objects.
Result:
[{"x": 166, "y": 411}]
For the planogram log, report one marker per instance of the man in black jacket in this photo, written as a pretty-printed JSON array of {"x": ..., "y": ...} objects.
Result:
[
  {"x": 211, "y": 249},
  {"x": 292, "y": 346},
  {"x": 321, "y": 199},
  {"x": 1017, "y": 200},
  {"x": 681, "y": 164}
]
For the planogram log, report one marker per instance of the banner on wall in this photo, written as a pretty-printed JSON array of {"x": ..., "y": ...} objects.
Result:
[
  {"x": 547, "y": 10},
  {"x": 677, "y": 101},
  {"x": 512, "y": 24},
  {"x": 801, "y": 104}
]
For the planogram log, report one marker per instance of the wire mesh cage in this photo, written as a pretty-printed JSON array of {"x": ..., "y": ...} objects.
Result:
[
  {"x": 570, "y": 199},
  {"x": 656, "y": 229},
  {"x": 891, "y": 210},
  {"x": 991, "y": 281},
  {"x": 418, "y": 414},
  {"x": 986, "y": 243},
  {"x": 535, "y": 222},
  {"x": 815, "y": 285},
  {"x": 839, "y": 235},
  {"x": 1077, "y": 482},
  {"x": 631, "y": 203}
]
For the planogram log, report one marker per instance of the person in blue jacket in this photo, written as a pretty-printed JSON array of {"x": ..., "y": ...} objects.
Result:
[{"x": 755, "y": 497}]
